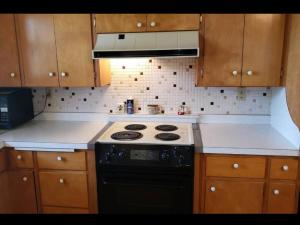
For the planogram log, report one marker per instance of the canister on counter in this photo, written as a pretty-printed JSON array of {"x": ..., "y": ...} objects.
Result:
[{"x": 130, "y": 105}]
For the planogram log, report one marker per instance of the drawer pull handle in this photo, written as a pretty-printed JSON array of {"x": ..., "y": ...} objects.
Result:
[
  {"x": 285, "y": 168},
  {"x": 139, "y": 24},
  {"x": 152, "y": 24},
  {"x": 61, "y": 180},
  {"x": 212, "y": 189},
  {"x": 12, "y": 75},
  {"x": 59, "y": 158},
  {"x": 235, "y": 165},
  {"x": 235, "y": 73},
  {"x": 51, "y": 74},
  {"x": 19, "y": 157},
  {"x": 276, "y": 192},
  {"x": 249, "y": 73},
  {"x": 24, "y": 179}
]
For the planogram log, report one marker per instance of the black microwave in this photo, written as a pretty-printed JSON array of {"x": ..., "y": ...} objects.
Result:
[{"x": 16, "y": 107}]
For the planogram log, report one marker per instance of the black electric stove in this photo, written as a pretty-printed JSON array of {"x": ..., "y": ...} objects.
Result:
[{"x": 134, "y": 178}]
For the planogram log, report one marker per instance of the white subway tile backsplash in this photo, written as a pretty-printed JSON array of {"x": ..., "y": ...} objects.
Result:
[{"x": 167, "y": 82}]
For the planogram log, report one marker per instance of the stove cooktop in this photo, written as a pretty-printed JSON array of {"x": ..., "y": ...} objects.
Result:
[{"x": 148, "y": 133}]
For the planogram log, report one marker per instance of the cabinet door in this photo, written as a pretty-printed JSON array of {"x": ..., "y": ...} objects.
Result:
[
  {"x": 223, "y": 46},
  {"x": 38, "y": 51},
  {"x": 233, "y": 196},
  {"x": 172, "y": 22},
  {"x": 74, "y": 50},
  {"x": 263, "y": 43},
  {"x": 22, "y": 192},
  {"x": 115, "y": 23},
  {"x": 282, "y": 198},
  {"x": 9, "y": 69}
]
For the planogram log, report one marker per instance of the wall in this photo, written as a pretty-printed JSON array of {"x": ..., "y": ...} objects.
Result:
[
  {"x": 167, "y": 82},
  {"x": 281, "y": 119}
]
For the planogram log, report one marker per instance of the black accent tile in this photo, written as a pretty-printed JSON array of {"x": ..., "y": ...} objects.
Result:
[
  {"x": 190, "y": 66},
  {"x": 110, "y": 111},
  {"x": 62, "y": 99},
  {"x": 123, "y": 67},
  {"x": 174, "y": 85},
  {"x": 67, "y": 88},
  {"x": 141, "y": 73},
  {"x": 49, "y": 105},
  {"x": 150, "y": 60},
  {"x": 159, "y": 67},
  {"x": 92, "y": 88},
  {"x": 162, "y": 111},
  {"x": 85, "y": 99},
  {"x": 202, "y": 109},
  {"x": 147, "y": 88},
  {"x": 156, "y": 97},
  {"x": 211, "y": 103},
  {"x": 264, "y": 94},
  {"x": 34, "y": 91},
  {"x": 73, "y": 93},
  {"x": 183, "y": 103},
  {"x": 174, "y": 73},
  {"x": 221, "y": 91},
  {"x": 139, "y": 108},
  {"x": 135, "y": 79}
]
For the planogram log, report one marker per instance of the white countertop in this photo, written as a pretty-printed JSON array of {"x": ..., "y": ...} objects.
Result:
[
  {"x": 254, "y": 139},
  {"x": 53, "y": 134}
]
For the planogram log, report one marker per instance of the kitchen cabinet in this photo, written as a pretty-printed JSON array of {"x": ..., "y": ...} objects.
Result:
[
  {"x": 223, "y": 196},
  {"x": 56, "y": 50},
  {"x": 116, "y": 23},
  {"x": 172, "y": 22},
  {"x": 242, "y": 50},
  {"x": 245, "y": 184},
  {"x": 22, "y": 191},
  {"x": 20, "y": 159},
  {"x": 291, "y": 67},
  {"x": 9, "y": 71}
]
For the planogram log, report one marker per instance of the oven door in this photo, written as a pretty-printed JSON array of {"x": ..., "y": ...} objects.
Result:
[{"x": 145, "y": 193}]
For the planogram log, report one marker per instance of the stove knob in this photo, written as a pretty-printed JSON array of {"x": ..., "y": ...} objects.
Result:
[
  {"x": 108, "y": 156},
  {"x": 180, "y": 160},
  {"x": 121, "y": 155},
  {"x": 165, "y": 156}
]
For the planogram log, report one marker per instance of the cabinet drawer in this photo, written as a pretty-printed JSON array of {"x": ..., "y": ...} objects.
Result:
[
  {"x": 62, "y": 210},
  {"x": 282, "y": 198},
  {"x": 284, "y": 168},
  {"x": 66, "y": 189},
  {"x": 20, "y": 159},
  {"x": 227, "y": 166},
  {"x": 62, "y": 161}
]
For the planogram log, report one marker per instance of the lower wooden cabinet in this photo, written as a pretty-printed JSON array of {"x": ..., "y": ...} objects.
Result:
[
  {"x": 281, "y": 197},
  {"x": 66, "y": 189},
  {"x": 22, "y": 197},
  {"x": 226, "y": 196}
]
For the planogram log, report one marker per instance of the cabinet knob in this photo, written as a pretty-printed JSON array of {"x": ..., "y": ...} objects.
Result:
[
  {"x": 12, "y": 74},
  {"x": 61, "y": 180},
  {"x": 24, "y": 179},
  {"x": 51, "y": 74},
  {"x": 276, "y": 192},
  {"x": 249, "y": 73},
  {"x": 285, "y": 168},
  {"x": 19, "y": 157},
  {"x": 63, "y": 74},
  {"x": 212, "y": 189},
  {"x": 152, "y": 24},
  {"x": 59, "y": 158},
  {"x": 235, "y": 165},
  {"x": 234, "y": 73},
  {"x": 139, "y": 24}
]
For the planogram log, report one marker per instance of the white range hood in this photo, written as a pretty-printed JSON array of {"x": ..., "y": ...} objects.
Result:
[{"x": 148, "y": 44}]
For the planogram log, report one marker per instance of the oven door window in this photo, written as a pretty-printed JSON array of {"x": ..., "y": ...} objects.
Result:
[{"x": 142, "y": 195}]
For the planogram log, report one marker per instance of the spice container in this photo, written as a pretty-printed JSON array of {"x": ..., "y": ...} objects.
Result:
[
  {"x": 130, "y": 105},
  {"x": 153, "y": 109}
]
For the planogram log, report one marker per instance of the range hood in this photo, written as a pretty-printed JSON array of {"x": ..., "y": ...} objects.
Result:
[{"x": 147, "y": 44}]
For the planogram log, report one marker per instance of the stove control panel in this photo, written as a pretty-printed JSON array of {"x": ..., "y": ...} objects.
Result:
[{"x": 122, "y": 154}]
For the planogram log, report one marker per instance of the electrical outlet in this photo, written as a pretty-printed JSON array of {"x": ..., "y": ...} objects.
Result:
[{"x": 241, "y": 93}]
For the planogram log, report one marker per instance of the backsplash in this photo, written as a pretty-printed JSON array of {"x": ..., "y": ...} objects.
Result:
[{"x": 167, "y": 82}]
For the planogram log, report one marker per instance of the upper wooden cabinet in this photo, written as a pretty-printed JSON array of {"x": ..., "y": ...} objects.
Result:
[
  {"x": 74, "y": 46},
  {"x": 172, "y": 22},
  {"x": 242, "y": 50},
  {"x": 9, "y": 69},
  {"x": 114, "y": 23},
  {"x": 56, "y": 50},
  {"x": 38, "y": 51}
]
